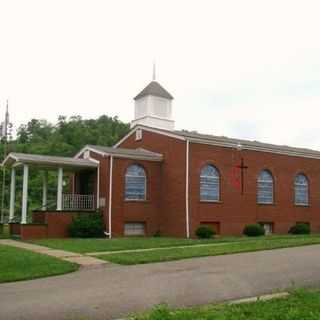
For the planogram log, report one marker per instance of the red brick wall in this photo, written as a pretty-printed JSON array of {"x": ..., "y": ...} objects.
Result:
[
  {"x": 147, "y": 211},
  {"x": 129, "y": 211},
  {"x": 33, "y": 231},
  {"x": 14, "y": 229},
  {"x": 234, "y": 210},
  {"x": 56, "y": 223},
  {"x": 172, "y": 186}
]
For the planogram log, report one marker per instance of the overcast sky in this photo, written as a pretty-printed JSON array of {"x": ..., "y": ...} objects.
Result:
[{"x": 246, "y": 69}]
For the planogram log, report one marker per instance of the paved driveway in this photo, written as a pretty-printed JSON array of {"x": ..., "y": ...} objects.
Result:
[{"x": 110, "y": 292}]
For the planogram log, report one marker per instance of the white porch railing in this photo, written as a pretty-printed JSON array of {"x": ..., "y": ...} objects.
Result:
[{"x": 78, "y": 202}]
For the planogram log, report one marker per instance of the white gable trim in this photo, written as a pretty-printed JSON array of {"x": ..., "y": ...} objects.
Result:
[
  {"x": 119, "y": 156},
  {"x": 168, "y": 134},
  {"x": 87, "y": 148}
]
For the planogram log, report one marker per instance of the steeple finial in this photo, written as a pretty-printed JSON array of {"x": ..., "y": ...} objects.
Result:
[{"x": 154, "y": 71}]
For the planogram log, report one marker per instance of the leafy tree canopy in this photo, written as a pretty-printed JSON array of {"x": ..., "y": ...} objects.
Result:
[
  {"x": 64, "y": 138},
  {"x": 68, "y": 135}
]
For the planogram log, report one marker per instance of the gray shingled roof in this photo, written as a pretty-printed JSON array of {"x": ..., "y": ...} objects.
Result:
[
  {"x": 47, "y": 161},
  {"x": 154, "y": 89},
  {"x": 139, "y": 153},
  {"x": 245, "y": 143}
]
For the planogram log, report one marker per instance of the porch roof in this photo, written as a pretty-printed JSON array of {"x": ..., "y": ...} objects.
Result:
[
  {"x": 139, "y": 154},
  {"x": 14, "y": 159}
]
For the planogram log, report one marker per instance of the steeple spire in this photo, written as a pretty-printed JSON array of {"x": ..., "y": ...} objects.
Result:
[{"x": 154, "y": 71}]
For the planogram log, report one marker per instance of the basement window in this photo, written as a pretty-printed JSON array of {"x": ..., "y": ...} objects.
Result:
[
  {"x": 268, "y": 227},
  {"x": 134, "y": 229}
]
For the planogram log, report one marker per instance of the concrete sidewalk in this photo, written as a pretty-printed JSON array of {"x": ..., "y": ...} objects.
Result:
[
  {"x": 103, "y": 253},
  {"x": 116, "y": 291},
  {"x": 82, "y": 260}
]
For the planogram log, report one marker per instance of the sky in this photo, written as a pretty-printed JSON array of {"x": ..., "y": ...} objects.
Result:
[{"x": 244, "y": 69}]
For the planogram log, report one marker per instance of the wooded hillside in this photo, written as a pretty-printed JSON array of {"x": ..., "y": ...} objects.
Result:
[{"x": 64, "y": 138}]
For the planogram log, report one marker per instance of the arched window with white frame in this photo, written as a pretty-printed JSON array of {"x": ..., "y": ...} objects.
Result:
[
  {"x": 209, "y": 184},
  {"x": 301, "y": 190},
  {"x": 265, "y": 187},
  {"x": 135, "y": 183}
]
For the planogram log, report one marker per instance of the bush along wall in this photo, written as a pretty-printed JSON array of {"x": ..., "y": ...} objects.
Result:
[
  {"x": 87, "y": 225},
  {"x": 253, "y": 230}
]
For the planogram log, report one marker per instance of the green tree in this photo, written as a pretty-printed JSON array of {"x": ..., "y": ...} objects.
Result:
[{"x": 64, "y": 138}]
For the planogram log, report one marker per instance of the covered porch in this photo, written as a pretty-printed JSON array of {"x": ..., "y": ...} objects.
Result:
[{"x": 81, "y": 194}]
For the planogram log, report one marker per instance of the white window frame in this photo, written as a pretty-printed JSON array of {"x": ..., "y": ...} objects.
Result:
[
  {"x": 145, "y": 184},
  {"x": 218, "y": 178},
  {"x": 296, "y": 184},
  {"x": 259, "y": 181}
]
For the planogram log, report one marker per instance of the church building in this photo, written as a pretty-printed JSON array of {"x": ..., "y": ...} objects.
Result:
[{"x": 158, "y": 180}]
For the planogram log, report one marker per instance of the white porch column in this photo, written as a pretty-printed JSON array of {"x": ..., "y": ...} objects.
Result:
[
  {"x": 60, "y": 188},
  {"x": 12, "y": 194},
  {"x": 45, "y": 191},
  {"x": 25, "y": 194}
]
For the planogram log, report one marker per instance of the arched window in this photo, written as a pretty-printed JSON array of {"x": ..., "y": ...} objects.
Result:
[
  {"x": 265, "y": 187},
  {"x": 301, "y": 190},
  {"x": 209, "y": 184},
  {"x": 135, "y": 183}
]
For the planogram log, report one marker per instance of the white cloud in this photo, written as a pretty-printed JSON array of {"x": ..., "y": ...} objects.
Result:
[{"x": 241, "y": 68}]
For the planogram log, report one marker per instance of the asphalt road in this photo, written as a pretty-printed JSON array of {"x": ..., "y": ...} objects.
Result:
[{"x": 112, "y": 292}]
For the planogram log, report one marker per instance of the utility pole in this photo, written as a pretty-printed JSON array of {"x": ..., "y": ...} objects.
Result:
[{"x": 5, "y": 135}]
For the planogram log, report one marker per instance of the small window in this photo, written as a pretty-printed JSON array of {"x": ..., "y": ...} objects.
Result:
[
  {"x": 135, "y": 183},
  {"x": 265, "y": 188},
  {"x": 209, "y": 184},
  {"x": 134, "y": 229},
  {"x": 301, "y": 190},
  {"x": 268, "y": 227},
  {"x": 86, "y": 154},
  {"x": 138, "y": 134}
]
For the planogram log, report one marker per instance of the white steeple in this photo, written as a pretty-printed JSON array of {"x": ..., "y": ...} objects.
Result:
[{"x": 153, "y": 106}]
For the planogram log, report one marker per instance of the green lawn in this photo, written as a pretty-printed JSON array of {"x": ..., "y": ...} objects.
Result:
[
  {"x": 301, "y": 305},
  {"x": 98, "y": 245},
  {"x": 19, "y": 264},
  {"x": 169, "y": 254}
]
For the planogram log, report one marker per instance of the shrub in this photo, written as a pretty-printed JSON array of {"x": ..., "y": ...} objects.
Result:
[
  {"x": 157, "y": 234},
  {"x": 205, "y": 232},
  {"x": 87, "y": 226},
  {"x": 300, "y": 228},
  {"x": 253, "y": 230}
]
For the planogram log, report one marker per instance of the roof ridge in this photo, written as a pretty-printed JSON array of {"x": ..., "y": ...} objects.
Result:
[{"x": 154, "y": 88}]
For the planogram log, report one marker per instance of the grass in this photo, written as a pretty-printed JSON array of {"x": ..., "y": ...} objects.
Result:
[
  {"x": 169, "y": 254},
  {"x": 301, "y": 305},
  {"x": 99, "y": 245},
  {"x": 19, "y": 264},
  {"x": 4, "y": 233}
]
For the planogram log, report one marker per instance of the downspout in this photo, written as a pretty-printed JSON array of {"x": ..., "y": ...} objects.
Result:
[
  {"x": 110, "y": 196},
  {"x": 187, "y": 188}
]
